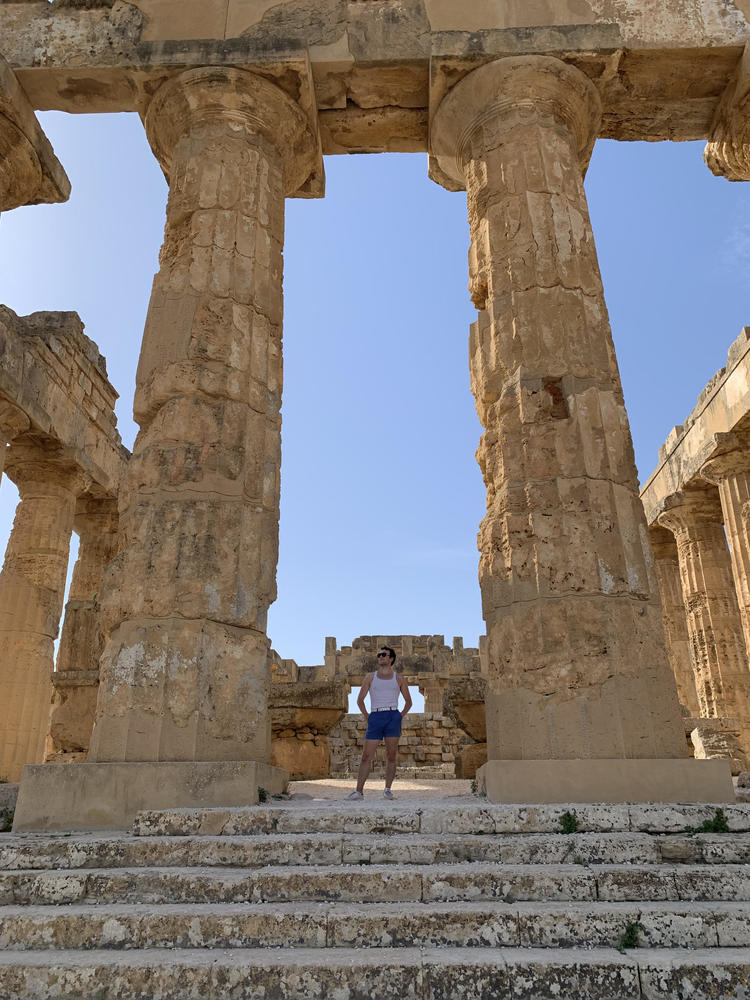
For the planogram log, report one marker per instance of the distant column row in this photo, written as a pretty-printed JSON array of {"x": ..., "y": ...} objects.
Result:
[
  {"x": 53, "y": 499},
  {"x": 703, "y": 564}
]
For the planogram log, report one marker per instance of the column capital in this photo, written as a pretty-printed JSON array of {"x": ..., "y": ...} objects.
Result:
[
  {"x": 686, "y": 509},
  {"x": 13, "y": 420},
  {"x": 33, "y": 464},
  {"x": 731, "y": 457},
  {"x": 517, "y": 90},
  {"x": 215, "y": 96},
  {"x": 95, "y": 514},
  {"x": 727, "y": 153},
  {"x": 30, "y": 172},
  {"x": 663, "y": 543}
]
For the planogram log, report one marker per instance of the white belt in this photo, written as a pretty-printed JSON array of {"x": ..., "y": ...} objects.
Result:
[{"x": 388, "y": 708}]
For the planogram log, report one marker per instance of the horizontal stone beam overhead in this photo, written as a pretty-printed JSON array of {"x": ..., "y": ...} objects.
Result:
[
  {"x": 365, "y": 64},
  {"x": 52, "y": 372},
  {"x": 722, "y": 406}
]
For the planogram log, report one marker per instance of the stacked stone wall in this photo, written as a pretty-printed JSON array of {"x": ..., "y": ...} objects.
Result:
[
  {"x": 429, "y": 744},
  {"x": 56, "y": 376}
]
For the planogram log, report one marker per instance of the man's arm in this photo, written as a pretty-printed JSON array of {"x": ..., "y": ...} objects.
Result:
[
  {"x": 361, "y": 696},
  {"x": 404, "y": 688}
]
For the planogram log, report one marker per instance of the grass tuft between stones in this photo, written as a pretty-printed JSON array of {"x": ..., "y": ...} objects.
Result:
[
  {"x": 262, "y": 794},
  {"x": 629, "y": 937},
  {"x": 6, "y": 820},
  {"x": 716, "y": 825},
  {"x": 568, "y": 822}
]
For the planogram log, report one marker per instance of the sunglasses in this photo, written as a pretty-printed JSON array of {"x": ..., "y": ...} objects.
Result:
[{"x": 384, "y": 654}]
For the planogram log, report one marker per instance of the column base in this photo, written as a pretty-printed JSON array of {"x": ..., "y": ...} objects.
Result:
[
  {"x": 108, "y": 796},
  {"x": 623, "y": 780}
]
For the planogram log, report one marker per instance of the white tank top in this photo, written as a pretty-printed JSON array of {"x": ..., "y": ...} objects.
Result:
[{"x": 383, "y": 693}]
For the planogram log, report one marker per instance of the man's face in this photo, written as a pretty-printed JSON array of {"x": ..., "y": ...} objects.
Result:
[{"x": 384, "y": 659}]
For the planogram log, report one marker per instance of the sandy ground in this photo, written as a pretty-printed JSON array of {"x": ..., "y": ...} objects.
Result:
[{"x": 408, "y": 791}]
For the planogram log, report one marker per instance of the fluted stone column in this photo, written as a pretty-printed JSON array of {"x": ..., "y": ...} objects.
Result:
[
  {"x": 717, "y": 643},
  {"x": 729, "y": 469},
  {"x": 13, "y": 421},
  {"x": 577, "y": 663},
  {"x": 32, "y": 590},
  {"x": 667, "y": 562},
  {"x": 76, "y": 678},
  {"x": 184, "y": 674}
]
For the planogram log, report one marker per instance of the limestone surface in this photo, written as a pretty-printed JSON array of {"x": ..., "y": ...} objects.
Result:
[{"x": 574, "y": 629}]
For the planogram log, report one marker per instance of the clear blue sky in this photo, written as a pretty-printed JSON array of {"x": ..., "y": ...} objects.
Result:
[{"x": 381, "y": 493}]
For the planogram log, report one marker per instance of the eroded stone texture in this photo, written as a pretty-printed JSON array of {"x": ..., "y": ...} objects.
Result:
[
  {"x": 54, "y": 374},
  {"x": 76, "y": 678},
  {"x": 726, "y": 153},
  {"x": 13, "y": 421},
  {"x": 429, "y": 744},
  {"x": 30, "y": 172},
  {"x": 717, "y": 643},
  {"x": 32, "y": 588},
  {"x": 667, "y": 563},
  {"x": 302, "y": 716},
  {"x": 709, "y": 742},
  {"x": 729, "y": 469},
  {"x": 184, "y": 673},
  {"x": 577, "y": 664}
]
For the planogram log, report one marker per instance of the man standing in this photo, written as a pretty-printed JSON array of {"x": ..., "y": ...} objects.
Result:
[{"x": 384, "y": 719}]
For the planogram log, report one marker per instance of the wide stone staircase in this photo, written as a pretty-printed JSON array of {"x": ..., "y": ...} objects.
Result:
[{"x": 358, "y": 901}]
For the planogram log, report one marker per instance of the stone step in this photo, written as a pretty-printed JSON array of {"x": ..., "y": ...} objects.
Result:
[
  {"x": 87, "y": 851},
  {"x": 336, "y": 925},
  {"x": 358, "y": 974},
  {"x": 378, "y": 883},
  {"x": 439, "y": 818}
]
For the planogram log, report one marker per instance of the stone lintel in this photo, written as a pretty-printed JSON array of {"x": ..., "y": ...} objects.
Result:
[
  {"x": 370, "y": 61},
  {"x": 602, "y": 780},
  {"x": 55, "y": 375},
  {"x": 723, "y": 406},
  {"x": 48, "y": 183},
  {"x": 109, "y": 796}
]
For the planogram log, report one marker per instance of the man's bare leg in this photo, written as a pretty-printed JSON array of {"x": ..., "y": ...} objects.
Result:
[
  {"x": 365, "y": 764},
  {"x": 391, "y": 753}
]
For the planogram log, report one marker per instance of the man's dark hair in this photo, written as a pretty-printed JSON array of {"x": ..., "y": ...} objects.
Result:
[{"x": 391, "y": 651}]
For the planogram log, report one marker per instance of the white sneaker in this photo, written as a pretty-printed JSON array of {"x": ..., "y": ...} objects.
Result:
[
  {"x": 355, "y": 796},
  {"x": 388, "y": 794}
]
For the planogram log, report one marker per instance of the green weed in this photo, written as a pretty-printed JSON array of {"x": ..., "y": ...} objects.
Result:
[
  {"x": 629, "y": 938},
  {"x": 569, "y": 822},
  {"x": 716, "y": 825}
]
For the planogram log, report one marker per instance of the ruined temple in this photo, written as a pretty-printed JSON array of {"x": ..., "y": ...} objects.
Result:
[{"x": 169, "y": 707}]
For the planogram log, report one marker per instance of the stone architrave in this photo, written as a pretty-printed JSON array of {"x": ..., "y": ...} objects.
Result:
[
  {"x": 184, "y": 674},
  {"x": 729, "y": 469},
  {"x": 577, "y": 664},
  {"x": 13, "y": 421},
  {"x": 32, "y": 590},
  {"x": 76, "y": 678},
  {"x": 722, "y": 676},
  {"x": 667, "y": 563}
]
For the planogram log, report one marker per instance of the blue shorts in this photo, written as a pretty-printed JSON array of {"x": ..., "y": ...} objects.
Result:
[{"x": 383, "y": 725}]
